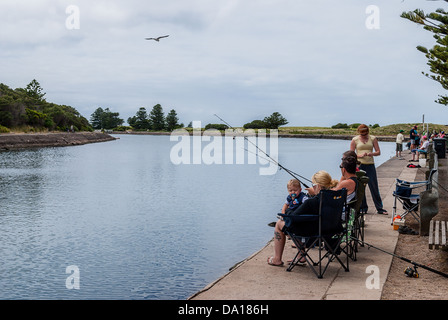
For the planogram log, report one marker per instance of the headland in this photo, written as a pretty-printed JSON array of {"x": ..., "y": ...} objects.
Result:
[{"x": 14, "y": 141}]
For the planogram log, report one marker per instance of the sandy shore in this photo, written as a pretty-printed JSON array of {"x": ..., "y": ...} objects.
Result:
[{"x": 13, "y": 141}]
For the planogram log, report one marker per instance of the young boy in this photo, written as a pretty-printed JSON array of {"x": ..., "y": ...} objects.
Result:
[{"x": 295, "y": 197}]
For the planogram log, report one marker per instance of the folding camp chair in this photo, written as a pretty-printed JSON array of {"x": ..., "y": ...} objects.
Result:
[
  {"x": 349, "y": 242},
  {"x": 357, "y": 232},
  {"x": 408, "y": 194},
  {"x": 326, "y": 238}
]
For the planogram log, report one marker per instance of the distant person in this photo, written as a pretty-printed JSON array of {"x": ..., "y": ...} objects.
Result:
[
  {"x": 417, "y": 138},
  {"x": 399, "y": 142},
  {"x": 412, "y": 136},
  {"x": 295, "y": 196},
  {"x": 422, "y": 149},
  {"x": 363, "y": 144}
]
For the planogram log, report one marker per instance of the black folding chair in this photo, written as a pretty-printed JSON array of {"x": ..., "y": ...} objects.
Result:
[
  {"x": 324, "y": 232},
  {"x": 408, "y": 194}
]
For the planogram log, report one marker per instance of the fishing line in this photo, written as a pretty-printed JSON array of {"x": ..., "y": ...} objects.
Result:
[
  {"x": 287, "y": 170},
  {"x": 407, "y": 271},
  {"x": 273, "y": 160},
  {"x": 435, "y": 181}
]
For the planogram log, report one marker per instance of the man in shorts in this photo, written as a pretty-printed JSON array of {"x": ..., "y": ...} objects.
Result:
[{"x": 399, "y": 147}]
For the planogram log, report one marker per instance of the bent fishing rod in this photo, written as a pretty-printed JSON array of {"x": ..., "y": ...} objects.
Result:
[
  {"x": 293, "y": 174},
  {"x": 415, "y": 264}
]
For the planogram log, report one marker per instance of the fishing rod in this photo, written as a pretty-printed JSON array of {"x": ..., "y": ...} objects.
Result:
[
  {"x": 440, "y": 186},
  {"x": 293, "y": 174},
  {"x": 287, "y": 170},
  {"x": 413, "y": 273}
]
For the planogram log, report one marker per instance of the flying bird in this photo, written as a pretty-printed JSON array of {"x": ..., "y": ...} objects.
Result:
[{"x": 157, "y": 39}]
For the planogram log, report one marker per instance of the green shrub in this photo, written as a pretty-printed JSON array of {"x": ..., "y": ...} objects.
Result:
[
  {"x": 216, "y": 126},
  {"x": 340, "y": 126},
  {"x": 256, "y": 124}
]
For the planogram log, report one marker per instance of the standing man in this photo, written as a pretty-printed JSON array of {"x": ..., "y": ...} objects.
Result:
[
  {"x": 413, "y": 135},
  {"x": 399, "y": 147}
]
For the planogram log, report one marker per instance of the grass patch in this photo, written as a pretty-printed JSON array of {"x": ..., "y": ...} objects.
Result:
[{"x": 389, "y": 130}]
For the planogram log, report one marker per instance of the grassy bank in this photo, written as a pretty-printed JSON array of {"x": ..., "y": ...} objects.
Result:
[{"x": 390, "y": 130}]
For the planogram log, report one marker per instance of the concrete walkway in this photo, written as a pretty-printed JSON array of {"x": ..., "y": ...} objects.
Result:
[{"x": 254, "y": 279}]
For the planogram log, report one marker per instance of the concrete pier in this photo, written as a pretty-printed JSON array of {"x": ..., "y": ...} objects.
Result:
[{"x": 254, "y": 279}]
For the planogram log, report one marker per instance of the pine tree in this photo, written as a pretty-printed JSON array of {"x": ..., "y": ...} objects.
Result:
[
  {"x": 140, "y": 121},
  {"x": 275, "y": 120},
  {"x": 157, "y": 118},
  {"x": 437, "y": 23},
  {"x": 105, "y": 119},
  {"x": 34, "y": 91},
  {"x": 96, "y": 119},
  {"x": 172, "y": 121}
]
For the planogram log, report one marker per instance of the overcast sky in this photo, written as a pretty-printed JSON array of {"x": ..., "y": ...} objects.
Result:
[{"x": 317, "y": 62}]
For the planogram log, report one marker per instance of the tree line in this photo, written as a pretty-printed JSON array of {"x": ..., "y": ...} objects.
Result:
[
  {"x": 27, "y": 109},
  {"x": 352, "y": 126},
  {"x": 155, "y": 120},
  {"x": 274, "y": 121}
]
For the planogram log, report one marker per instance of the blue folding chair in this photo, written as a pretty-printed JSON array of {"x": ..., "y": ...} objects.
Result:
[{"x": 408, "y": 194}]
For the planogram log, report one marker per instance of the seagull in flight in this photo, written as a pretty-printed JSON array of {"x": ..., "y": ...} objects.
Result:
[{"x": 157, "y": 39}]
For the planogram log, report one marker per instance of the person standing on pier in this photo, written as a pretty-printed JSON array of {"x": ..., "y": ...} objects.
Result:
[
  {"x": 364, "y": 144},
  {"x": 399, "y": 147}
]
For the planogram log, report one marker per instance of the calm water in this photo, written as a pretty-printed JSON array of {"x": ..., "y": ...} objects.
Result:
[{"x": 132, "y": 223}]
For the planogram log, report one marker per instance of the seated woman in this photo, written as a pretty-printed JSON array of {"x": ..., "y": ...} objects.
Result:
[
  {"x": 321, "y": 181},
  {"x": 348, "y": 179}
]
